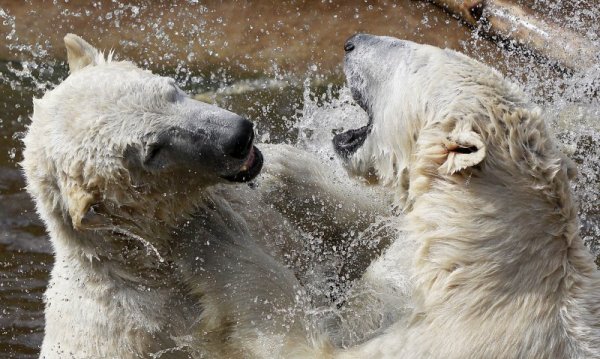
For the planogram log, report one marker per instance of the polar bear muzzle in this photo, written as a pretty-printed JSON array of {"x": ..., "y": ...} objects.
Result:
[
  {"x": 250, "y": 169},
  {"x": 223, "y": 145},
  {"x": 365, "y": 71}
]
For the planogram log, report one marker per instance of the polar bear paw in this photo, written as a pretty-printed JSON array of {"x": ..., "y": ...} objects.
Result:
[{"x": 293, "y": 168}]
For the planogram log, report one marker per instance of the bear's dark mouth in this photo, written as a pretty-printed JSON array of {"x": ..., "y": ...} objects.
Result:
[
  {"x": 250, "y": 168},
  {"x": 348, "y": 142}
]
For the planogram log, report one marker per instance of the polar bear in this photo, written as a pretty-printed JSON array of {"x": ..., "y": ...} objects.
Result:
[
  {"x": 500, "y": 270},
  {"x": 158, "y": 253},
  {"x": 128, "y": 174}
]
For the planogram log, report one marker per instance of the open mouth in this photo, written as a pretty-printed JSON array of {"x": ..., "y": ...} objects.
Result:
[
  {"x": 348, "y": 142},
  {"x": 250, "y": 168}
]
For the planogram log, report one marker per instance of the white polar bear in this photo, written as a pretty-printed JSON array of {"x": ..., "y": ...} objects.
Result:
[
  {"x": 500, "y": 271},
  {"x": 151, "y": 259}
]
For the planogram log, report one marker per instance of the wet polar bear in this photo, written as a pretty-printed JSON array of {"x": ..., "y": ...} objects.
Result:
[
  {"x": 155, "y": 254},
  {"x": 148, "y": 259},
  {"x": 500, "y": 271}
]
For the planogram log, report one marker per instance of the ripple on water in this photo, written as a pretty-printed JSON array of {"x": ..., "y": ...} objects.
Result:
[{"x": 25, "y": 259}]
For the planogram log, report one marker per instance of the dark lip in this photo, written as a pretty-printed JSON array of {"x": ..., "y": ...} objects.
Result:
[
  {"x": 250, "y": 173},
  {"x": 348, "y": 142}
]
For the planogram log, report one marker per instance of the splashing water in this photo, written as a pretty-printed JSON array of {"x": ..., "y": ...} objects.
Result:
[{"x": 279, "y": 67}]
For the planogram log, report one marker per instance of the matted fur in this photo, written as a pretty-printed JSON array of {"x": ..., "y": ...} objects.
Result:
[
  {"x": 159, "y": 256},
  {"x": 148, "y": 262},
  {"x": 500, "y": 271}
]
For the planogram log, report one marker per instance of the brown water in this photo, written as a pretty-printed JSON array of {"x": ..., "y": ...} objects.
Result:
[
  {"x": 252, "y": 58},
  {"x": 25, "y": 253}
]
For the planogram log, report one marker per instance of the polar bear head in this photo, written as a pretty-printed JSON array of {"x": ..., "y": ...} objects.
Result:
[
  {"x": 116, "y": 144},
  {"x": 437, "y": 114}
]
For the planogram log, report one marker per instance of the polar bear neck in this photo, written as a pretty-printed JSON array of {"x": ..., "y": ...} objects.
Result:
[
  {"x": 91, "y": 295},
  {"x": 510, "y": 277},
  {"x": 209, "y": 273},
  {"x": 146, "y": 252}
]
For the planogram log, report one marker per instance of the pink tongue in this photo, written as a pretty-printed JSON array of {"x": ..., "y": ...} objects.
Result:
[{"x": 248, "y": 162}]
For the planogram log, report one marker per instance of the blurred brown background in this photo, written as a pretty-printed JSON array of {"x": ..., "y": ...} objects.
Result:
[{"x": 244, "y": 36}]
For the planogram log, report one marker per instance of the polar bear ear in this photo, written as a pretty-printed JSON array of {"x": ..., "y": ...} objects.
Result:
[
  {"x": 463, "y": 148},
  {"x": 81, "y": 54},
  {"x": 84, "y": 209}
]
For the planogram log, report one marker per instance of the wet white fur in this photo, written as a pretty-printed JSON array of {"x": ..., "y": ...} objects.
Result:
[
  {"x": 161, "y": 267},
  {"x": 500, "y": 271}
]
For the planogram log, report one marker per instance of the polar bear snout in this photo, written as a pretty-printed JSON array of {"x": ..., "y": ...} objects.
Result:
[
  {"x": 217, "y": 147},
  {"x": 369, "y": 65},
  {"x": 370, "y": 52},
  {"x": 349, "y": 45},
  {"x": 355, "y": 39},
  {"x": 241, "y": 146},
  {"x": 240, "y": 143}
]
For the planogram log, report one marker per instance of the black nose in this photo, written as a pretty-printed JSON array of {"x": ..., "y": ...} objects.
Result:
[
  {"x": 349, "y": 45},
  {"x": 240, "y": 144}
]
